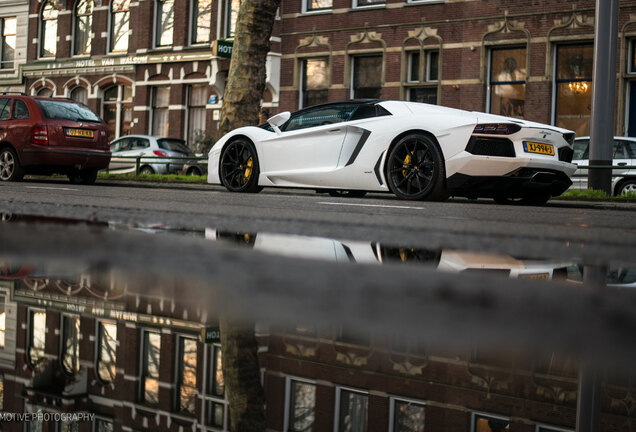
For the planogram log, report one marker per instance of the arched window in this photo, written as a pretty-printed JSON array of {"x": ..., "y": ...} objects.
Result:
[
  {"x": 48, "y": 29},
  {"x": 80, "y": 95},
  {"x": 117, "y": 110},
  {"x": 45, "y": 92},
  {"x": 83, "y": 26},
  {"x": 119, "y": 25}
]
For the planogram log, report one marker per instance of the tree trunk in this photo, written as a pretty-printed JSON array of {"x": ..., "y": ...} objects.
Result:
[
  {"x": 246, "y": 79},
  {"x": 241, "y": 104},
  {"x": 242, "y": 377}
]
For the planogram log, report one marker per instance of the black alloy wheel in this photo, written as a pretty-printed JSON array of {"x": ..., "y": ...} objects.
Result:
[
  {"x": 239, "y": 168},
  {"x": 628, "y": 186},
  {"x": 10, "y": 168},
  {"x": 146, "y": 170},
  {"x": 415, "y": 169}
]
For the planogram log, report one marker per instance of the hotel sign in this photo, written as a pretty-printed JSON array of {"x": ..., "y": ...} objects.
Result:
[{"x": 222, "y": 48}]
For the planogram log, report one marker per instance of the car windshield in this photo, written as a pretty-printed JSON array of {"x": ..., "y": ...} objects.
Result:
[
  {"x": 174, "y": 145},
  {"x": 66, "y": 110}
]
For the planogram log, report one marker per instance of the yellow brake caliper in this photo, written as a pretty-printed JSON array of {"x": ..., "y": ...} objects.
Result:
[
  {"x": 407, "y": 161},
  {"x": 248, "y": 170}
]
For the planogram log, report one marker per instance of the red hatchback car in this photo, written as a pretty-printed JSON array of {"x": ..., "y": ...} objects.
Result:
[{"x": 41, "y": 135}]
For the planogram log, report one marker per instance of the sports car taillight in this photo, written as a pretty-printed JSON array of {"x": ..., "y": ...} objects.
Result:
[
  {"x": 40, "y": 135},
  {"x": 160, "y": 153},
  {"x": 497, "y": 129}
]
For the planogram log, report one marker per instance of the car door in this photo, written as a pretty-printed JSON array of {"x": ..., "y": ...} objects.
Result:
[
  {"x": 119, "y": 148},
  {"x": 622, "y": 159},
  {"x": 310, "y": 142},
  {"x": 580, "y": 159}
]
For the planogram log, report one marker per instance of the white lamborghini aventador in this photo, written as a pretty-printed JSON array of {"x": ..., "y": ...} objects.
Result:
[{"x": 417, "y": 151}]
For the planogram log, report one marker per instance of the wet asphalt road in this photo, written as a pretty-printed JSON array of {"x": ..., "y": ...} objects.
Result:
[{"x": 590, "y": 233}]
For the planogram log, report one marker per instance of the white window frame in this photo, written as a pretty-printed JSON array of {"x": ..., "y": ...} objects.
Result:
[
  {"x": 392, "y": 401},
  {"x": 156, "y": 21},
  {"x": 178, "y": 369},
  {"x": 61, "y": 341},
  {"x": 3, "y": 36},
  {"x": 305, "y": 10},
  {"x": 288, "y": 380},
  {"x": 474, "y": 414},
  {"x": 191, "y": 27},
  {"x": 111, "y": 23},
  {"x": 74, "y": 30},
  {"x": 376, "y": 5},
  {"x": 425, "y": 1},
  {"x": 339, "y": 389},
  {"x": 97, "y": 349}
]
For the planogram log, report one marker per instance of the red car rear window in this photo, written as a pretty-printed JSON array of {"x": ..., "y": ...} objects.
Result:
[{"x": 63, "y": 110}]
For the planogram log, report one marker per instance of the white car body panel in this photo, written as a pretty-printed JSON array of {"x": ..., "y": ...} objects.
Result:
[{"x": 323, "y": 156}]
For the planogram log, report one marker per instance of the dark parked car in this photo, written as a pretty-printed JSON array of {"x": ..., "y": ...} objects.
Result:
[{"x": 40, "y": 135}]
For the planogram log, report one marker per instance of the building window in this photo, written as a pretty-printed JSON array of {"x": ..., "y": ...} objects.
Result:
[
  {"x": 362, "y": 3},
  {"x": 407, "y": 416},
  {"x": 216, "y": 405},
  {"x": 573, "y": 83},
  {"x": 483, "y": 423},
  {"x": 8, "y": 42},
  {"x": 201, "y": 21},
  {"x": 45, "y": 92},
  {"x": 3, "y": 321},
  {"x": 160, "y": 104},
  {"x": 48, "y": 29},
  {"x": 80, "y": 94},
  {"x": 366, "y": 77},
  {"x": 70, "y": 344},
  {"x": 315, "y": 82},
  {"x": 352, "y": 410},
  {"x": 197, "y": 99},
  {"x": 150, "y": 368},
  {"x": 164, "y": 20},
  {"x": 631, "y": 65},
  {"x": 118, "y": 110},
  {"x": 316, "y": 5},
  {"x": 232, "y": 10},
  {"x": 119, "y": 25},
  {"x": 302, "y": 406},
  {"x": 508, "y": 81},
  {"x": 106, "y": 351},
  {"x": 104, "y": 426},
  {"x": 187, "y": 378},
  {"x": 422, "y": 76},
  {"x": 83, "y": 27},
  {"x": 37, "y": 337}
]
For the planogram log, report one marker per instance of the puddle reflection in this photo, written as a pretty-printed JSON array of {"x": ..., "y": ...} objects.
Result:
[{"x": 103, "y": 350}]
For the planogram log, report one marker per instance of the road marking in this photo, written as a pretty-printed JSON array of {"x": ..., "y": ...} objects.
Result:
[
  {"x": 370, "y": 205},
  {"x": 51, "y": 188}
]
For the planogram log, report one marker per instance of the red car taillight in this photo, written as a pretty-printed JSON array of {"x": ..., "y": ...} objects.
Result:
[
  {"x": 160, "y": 153},
  {"x": 497, "y": 129},
  {"x": 40, "y": 135}
]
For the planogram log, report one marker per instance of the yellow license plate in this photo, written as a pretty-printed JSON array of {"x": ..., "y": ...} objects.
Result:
[
  {"x": 535, "y": 276},
  {"x": 535, "y": 147},
  {"x": 84, "y": 133}
]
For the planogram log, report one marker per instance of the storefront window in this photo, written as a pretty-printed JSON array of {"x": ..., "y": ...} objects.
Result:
[
  {"x": 160, "y": 104},
  {"x": 574, "y": 87},
  {"x": 508, "y": 81},
  {"x": 118, "y": 110}
]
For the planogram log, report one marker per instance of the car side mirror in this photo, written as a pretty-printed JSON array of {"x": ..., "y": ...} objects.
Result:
[{"x": 278, "y": 120}]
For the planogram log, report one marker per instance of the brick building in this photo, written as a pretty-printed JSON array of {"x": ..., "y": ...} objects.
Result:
[{"x": 147, "y": 66}]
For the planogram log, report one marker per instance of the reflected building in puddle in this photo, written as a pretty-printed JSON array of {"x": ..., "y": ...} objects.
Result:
[{"x": 133, "y": 355}]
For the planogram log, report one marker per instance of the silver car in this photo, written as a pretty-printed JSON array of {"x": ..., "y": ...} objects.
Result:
[
  {"x": 130, "y": 148},
  {"x": 623, "y": 177}
]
